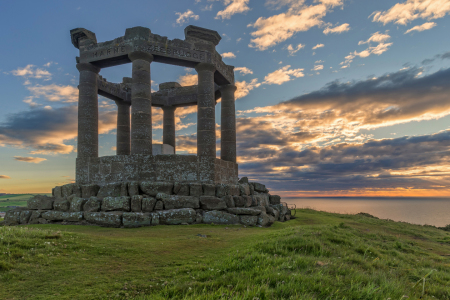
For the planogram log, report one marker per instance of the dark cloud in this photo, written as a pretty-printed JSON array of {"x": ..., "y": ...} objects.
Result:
[
  {"x": 29, "y": 159},
  {"x": 4, "y": 177}
]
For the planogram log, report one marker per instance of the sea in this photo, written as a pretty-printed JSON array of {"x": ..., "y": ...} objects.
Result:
[{"x": 430, "y": 211}]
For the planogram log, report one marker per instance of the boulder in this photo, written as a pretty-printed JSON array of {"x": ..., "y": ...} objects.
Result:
[
  {"x": 133, "y": 188},
  {"x": 58, "y": 192},
  {"x": 219, "y": 217},
  {"x": 175, "y": 201},
  {"x": 177, "y": 216},
  {"x": 108, "y": 219},
  {"x": 77, "y": 204},
  {"x": 89, "y": 190},
  {"x": 239, "y": 201},
  {"x": 92, "y": 205},
  {"x": 110, "y": 190},
  {"x": 116, "y": 204},
  {"x": 282, "y": 218},
  {"x": 248, "y": 201},
  {"x": 148, "y": 204},
  {"x": 40, "y": 202},
  {"x": 274, "y": 199},
  {"x": 12, "y": 217},
  {"x": 42, "y": 221},
  {"x": 271, "y": 219},
  {"x": 136, "y": 203},
  {"x": 259, "y": 187},
  {"x": 263, "y": 219},
  {"x": 243, "y": 180},
  {"x": 260, "y": 208},
  {"x": 159, "y": 205},
  {"x": 61, "y": 205},
  {"x": 244, "y": 189},
  {"x": 53, "y": 215},
  {"x": 135, "y": 219},
  {"x": 248, "y": 220},
  {"x": 212, "y": 203},
  {"x": 209, "y": 189},
  {"x": 67, "y": 190},
  {"x": 232, "y": 190},
  {"x": 153, "y": 188},
  {"x": 154, "y": 219},
  {"x": 34, "y": 218},
  {"x": 244, "y": 211},
  {"x": 229, "y": 200},
  {"x": 220, "y": 191},
  {"x": 195, "y": 189}
]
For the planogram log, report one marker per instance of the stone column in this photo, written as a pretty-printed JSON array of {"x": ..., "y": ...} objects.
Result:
[
  {"x": 141, "y": 103},
  {"x": 169, "y": 126},
  {"x": 88, "y": 111},
  {"x": 206, "y": 121},
  {"x": 123, "y": 128},
  {"x": 228, "y": 124}
]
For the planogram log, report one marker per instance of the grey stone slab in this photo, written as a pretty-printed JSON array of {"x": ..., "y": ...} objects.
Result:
[
  {"x": 244, "y": 211},
  {"x": 239, "y": 201},
  {"x": 264, "y": 220},
  {"x": 135, "y": 219},
  {"x": 110, "y": 190},
  {"x": 175, "y": 201},
  {"x": 148, "y": 204},
  {"x": 61, "y": 205},
  {"x": 25, "y": 216},
  {"x": 177, "y": 216},
  {"x": 229, "y": 201},
  {"x": 153, "y": 188},
  {"x": 243, "y": 180},
  {"x": 77, "y": 204},
  {"x": 274, "y": 199},
  {"x": 244, "y": 189},
  {"x": 212, "y": 203},
  {"x": 154, "y": 219},
  {"x": 53, "y": 215},
  {"x": 233, "y": 190},
  {"x": 12, "y": 217},
  {"x": 259, "y": 187},
  {"x": 107, "y": 219},
  {"x": 93, "y": 204},
  {"x": 220, "y": 217},
  {"x": 40, "y": 202},
  {"x": 209, "y": 189},
  {"x": 195, "y": 189},
  {"x": 136, "y": 203},
  {"x": 248, "y": 220},
  {"x": 133, "y": 188},
  {"x": 67, "y": 190},
  {"x": 220, "y": 191},
  {"x": 34, "y": 218},
  {"x": 116, "y": 204}
]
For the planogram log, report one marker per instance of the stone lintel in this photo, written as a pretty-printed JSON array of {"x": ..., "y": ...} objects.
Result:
[
  {"x": 201, "y": 33},
  {"x": 79, "y": 34}
]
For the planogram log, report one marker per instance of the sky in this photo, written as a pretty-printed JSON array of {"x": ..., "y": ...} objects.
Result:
[{"x": 334, "y": 98}]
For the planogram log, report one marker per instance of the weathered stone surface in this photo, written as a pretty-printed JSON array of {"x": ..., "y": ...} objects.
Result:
[
  {"x": 77, "y": 190},
  {"x": 136, "y": 203},
  {"x": 67, "y": 190},
  {"x": 154, "y": 219},
  {"x": 244, "y": 211},
  {"x": 244, "y": 189},
  {"x": 209, "y": 189},
  {"x": 148, "y": 204},
  {"x": 259, "y": 187},
  {"x": 260, "y": 208},
  {"x": 219, "y": 217},
  {"x": 133, "y": 188},
  {"x": 58, "y": 192},
  {"x": 252, "y": 188},
  {"x": 92, "y": 205},
  {"x": 198, "y": 218},
  {"x": 34, "y": 218},
  {"x": 176, "y": 187},
  {"x": 177, "y": 216},
  {"x": 159, "y": 205},
  {"x": 25, "y": 216},
  {"x": 89, "y": 190},
  {"x": 287, "y": 217},
  {"x": 116, "y": 204},
  {"x": 53, "y": 215},
  {"x": 61, "y": 205},
  {"x": 124, "y": 189},
  {"x": 77, "y": 204},
  {"x": 232, "y": 190},
  {"x": 135, "y": 219},
  {"x": 243, "y": 180},
  {"x": 175, "y": 201},
  {"x": 282, "y": 218},
  {"x": 248, "y": 200},
  {"x": 212, "y": 203},
  {"x": 184, "y": 190},
  {"x": 195, "y": 189},
  {"x": 229, "y": 201},
  {"x": 42, "y": 221},
  {"x": 109, "y": 219},
  {"x": 239, "y": 201},
  {"x": 162, "y": 196},
  {"x": 12, "y": 217},
  {"x": 274, "y": 199},
  {"x": 248, "y": 220},
  {"x": 110, "y": 190},
  {"x": 263, "y": 219},
  {"x": 220, "y": 191},
  {"x": 271, "y": 219},
  {"x": 40, "y": 202},
  {"x": 153, "y": 188},
  {"x": 261, "y": 199}
]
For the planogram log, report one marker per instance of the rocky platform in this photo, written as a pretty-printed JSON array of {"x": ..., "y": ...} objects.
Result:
[{"x": 136, "y": 204}]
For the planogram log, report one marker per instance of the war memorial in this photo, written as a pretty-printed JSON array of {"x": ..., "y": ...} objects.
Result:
[{"x": 144, "y": 183}]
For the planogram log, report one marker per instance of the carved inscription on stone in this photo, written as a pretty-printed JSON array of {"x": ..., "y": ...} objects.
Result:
[
  {"x": 159, "y": 49},
  {"x": 109, "y": 52}
]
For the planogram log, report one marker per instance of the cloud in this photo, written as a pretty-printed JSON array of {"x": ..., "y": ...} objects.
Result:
[
  {"x": 283, "y": 75},
  {"x": 184, "y": 17},
  {"x": 29, "y": 159},
  {"x": 424, "y": 26},
  {"x": 228, "y": 55},
  {"x": 317, "y": 68},
  {"x": 45, "y": 131},
  {"x": 243, "y": 70},
  {"x": 4, "y": 177},
  {"x": 233, "y": 7},
  {"x": 376, "y": 37},
  {"x": 318, "y": 46},
  {"x": 188, "y": 79},
  {"x": 244, "y": 88},
  {"x": 293, "y": 50},
  {"x": 299, "y": 17},
  {"x": 338, "y": 29},
  {"x": 403, "y": 13},
  {"x": 54, "y": 92},
  {"x": 31, "y": 71}
]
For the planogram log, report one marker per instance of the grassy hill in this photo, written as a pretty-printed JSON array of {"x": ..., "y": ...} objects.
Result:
[{"x": 318, "y": 255}]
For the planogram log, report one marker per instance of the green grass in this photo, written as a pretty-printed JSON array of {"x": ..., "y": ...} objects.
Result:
[
  {"x": 15, "y": 200},
  {"x": 315, "y": 256}
]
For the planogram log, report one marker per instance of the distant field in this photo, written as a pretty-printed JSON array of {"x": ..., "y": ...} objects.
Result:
[{"x": 15, "y": 200}]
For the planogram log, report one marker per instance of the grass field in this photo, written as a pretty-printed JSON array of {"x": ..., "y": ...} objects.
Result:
[
  {"x": 15, "y": 200},
  {"x": 318, "y": 255}
]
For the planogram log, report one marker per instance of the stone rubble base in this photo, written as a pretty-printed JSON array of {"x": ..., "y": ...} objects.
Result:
[{"x": 136, "y": 204}]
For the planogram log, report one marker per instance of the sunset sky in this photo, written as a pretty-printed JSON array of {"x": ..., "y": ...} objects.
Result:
[{"x": 335, "y": 97}]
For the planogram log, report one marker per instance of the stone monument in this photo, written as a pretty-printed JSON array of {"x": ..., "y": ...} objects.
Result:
[{"x": 148, "y": 184}]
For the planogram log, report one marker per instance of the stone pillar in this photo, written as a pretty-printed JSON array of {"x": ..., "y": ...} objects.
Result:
[
  {"x": 228, "y": 124},
  {"x": 123, "y": 128},
  {"x": 141, "y": 103},
  {"x": 169, "y": 126},
  {"x": 88, "y": 111},
  {"x": 206, "y": 121}
]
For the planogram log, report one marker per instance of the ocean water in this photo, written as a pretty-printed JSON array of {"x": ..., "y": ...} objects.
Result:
[{"x": 431, "y": 211}]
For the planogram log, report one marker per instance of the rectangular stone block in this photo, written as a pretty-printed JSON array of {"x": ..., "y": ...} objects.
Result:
[
  {"x": 116, "y": 204},
  {"x": 212, "y": 203},
  {"x": 136, "y": 203},
  {"x": 177, "y": 216},
  {"x": 135, "y": 219},
  {"x": 148, "y": 204},
  {"x": 108, "y": 219},
  {"x": 174, "y": 202}
]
